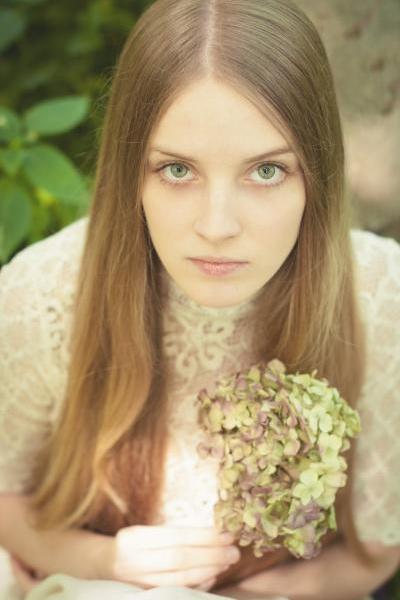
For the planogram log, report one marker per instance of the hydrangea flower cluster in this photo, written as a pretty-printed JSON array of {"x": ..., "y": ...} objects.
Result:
[{"x": 279, "y": 439}]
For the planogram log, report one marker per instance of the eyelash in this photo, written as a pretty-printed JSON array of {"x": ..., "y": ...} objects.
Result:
[{"x": 282, "y": 168}]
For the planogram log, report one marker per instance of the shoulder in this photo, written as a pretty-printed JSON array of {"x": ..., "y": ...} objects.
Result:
[
  {"x": 57, "y": 255},
  {"x": 376, "y": 257},
  {"x": 37, "y": 290},
  {"x": 377, "y": 270},
  {"x": 45, "y": 273}
]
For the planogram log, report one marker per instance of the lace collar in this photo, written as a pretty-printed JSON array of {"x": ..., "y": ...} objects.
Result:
[{"x": 177, "y": 299}]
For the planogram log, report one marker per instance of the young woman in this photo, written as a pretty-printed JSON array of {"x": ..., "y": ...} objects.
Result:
[{"x": 222, "y": 143}]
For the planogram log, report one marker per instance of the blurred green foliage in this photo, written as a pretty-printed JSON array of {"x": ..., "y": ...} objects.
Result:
[
  {"x": 37, "y": 176},
  {"x": 56, "y": 64}
]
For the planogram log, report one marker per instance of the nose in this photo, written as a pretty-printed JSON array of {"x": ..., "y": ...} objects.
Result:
[{"x": 216, "y": 218}]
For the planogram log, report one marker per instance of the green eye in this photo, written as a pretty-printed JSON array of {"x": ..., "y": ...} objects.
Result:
[
  {"x": 177, "y": 173},
  {"x": 176, "y": 170},
  {"x": 271, "y": 174},
  {"x": 267, "y": 170}
]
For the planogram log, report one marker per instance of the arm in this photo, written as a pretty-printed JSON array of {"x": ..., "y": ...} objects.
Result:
[
  {"x": 336, "y": 574},
  {"x": 74, "y": 552}
]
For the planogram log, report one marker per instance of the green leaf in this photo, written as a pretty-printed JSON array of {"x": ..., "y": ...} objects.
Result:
[
  {"x": 56, "y": 116},
  {"x": 48, "y": 168},
  {"x": 15, "y": 216},
  {"x": 10, "y": 124},
  {"x": 12, "y": 26},
  {"x": 11, "y": 160},
  {"x": 41, "y": 219}
]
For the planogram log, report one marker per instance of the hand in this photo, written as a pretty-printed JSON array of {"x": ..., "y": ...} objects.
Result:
[
  {"x": 154, "y": 556},
  {"x": 26, "y": 577}
]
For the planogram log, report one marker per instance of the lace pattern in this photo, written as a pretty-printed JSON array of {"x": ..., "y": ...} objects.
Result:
[{"x": 377, "y": 485}]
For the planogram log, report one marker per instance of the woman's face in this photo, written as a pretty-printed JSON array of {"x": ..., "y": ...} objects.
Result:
[{"x": 207, "y": 194}]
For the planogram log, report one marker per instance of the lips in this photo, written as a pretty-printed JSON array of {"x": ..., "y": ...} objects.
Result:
[{"x": 217, "y": 268}]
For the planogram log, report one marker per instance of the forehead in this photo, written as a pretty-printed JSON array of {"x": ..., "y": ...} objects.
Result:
[{"x": 211, "y": 115}]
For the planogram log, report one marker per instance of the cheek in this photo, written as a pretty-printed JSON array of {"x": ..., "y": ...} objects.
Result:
[
  {"x": 275, "y": 227},
  {"x": 165, "y": 221},
  {"x": 279, "y": 218}
]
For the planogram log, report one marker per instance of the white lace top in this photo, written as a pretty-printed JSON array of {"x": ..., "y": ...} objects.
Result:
[{"x": 36, "y": 296}]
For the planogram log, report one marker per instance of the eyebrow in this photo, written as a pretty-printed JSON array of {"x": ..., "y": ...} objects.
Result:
[{"x": 273, "y": 152}]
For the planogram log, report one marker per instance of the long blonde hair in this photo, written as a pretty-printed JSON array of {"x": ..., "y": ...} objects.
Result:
[{"x": 102, "y": 467}]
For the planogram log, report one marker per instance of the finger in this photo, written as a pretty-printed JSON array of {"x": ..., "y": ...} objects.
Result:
[
  {"x": 159, "y": 560},
  {"x": 15, "y": 560},
  {"x": 188, "y": 578},
  {"x": 34, "y": 573},
  {"x": 207, "y": 585},
  {"x": 25, "y": 580},
  {"x": 24, "y": 567},
  {"x": 160, "y": 536}
]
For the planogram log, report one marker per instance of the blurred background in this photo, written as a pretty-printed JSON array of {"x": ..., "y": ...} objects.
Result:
[{"x": 56, "y": 64}]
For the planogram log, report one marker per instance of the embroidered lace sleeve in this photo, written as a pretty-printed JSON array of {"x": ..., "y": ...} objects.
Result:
[
  {"x": 36, "y": 292},
  {"x": 377, "y": 483}
]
